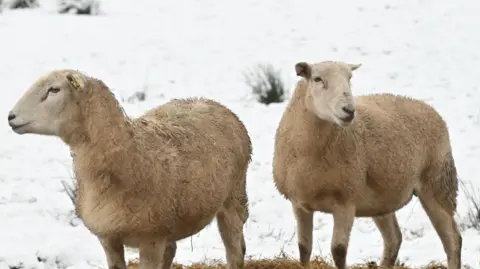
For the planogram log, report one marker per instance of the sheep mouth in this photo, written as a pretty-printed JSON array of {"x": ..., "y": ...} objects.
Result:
[
  {"x": 345, "y": 121},
  {"x": 16, "y": 127}
]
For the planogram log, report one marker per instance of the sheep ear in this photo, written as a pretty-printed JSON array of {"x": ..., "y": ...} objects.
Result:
[
  {"x": 303, "y": 69},
  {"x": 354, "y": 67},
  {"x": 75, "y": 81}
]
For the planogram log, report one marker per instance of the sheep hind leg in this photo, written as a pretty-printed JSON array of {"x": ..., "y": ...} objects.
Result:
[
  {"x": 438, "y": 196},
  {"x": 343, "y": 217},
  {"x": 304, "y": 221},
  {"x": 392, "y": 238},
  {"x": 242, "y": 205},
  {"x": 169, "y": 255},
  {"x": 152, "y": 253},
  {"x": 446, "y": 228},
  {"x": 114, "y": 252},
  {"x": 230, "y": 226}
]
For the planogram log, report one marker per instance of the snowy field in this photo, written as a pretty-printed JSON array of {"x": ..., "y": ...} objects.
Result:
[{"x": 170, "y": 49}]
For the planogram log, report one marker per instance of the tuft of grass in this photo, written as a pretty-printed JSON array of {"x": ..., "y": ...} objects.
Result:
[
  {"x": 16, "y": 4},
  {"x": 79, "y": 7},
  {"x": 473, "y": 199},
  {"x": 137, "y": 96},
  {"x": 70, "y": 189},
  {"x": 266, "y": 84}
]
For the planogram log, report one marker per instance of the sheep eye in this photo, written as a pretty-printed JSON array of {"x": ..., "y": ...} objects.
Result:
[
  {"x": 318, "y": 79},
  {"x": 53, "y": 90}
]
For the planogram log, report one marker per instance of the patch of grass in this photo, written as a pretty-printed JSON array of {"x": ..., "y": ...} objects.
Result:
[
  {"x": 79, "y": 7},
  {"x": 137, "y": 96},
  {"x": 287, "y": 263},
  {"x": 266, "y": 83},
  {"x": 17, "y": 4}
]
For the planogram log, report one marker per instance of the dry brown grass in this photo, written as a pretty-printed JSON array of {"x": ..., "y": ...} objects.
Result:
[{"x": 286, "y": 263}]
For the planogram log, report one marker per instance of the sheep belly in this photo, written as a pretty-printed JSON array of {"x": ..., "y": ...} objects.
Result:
[
  {"x": 108, "y": 219},
  {"x": 373, "y": 203},
  {"x": 323, "y": 190},
  {"x": 123, "y": 216},
  {"x": 179, "y": 232},
  {"x": 368, "y": 204}
]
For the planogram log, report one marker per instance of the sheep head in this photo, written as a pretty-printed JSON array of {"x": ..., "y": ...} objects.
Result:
[
  {"x": 329, "y": 94},
  {"x": 49, "y": 105}
]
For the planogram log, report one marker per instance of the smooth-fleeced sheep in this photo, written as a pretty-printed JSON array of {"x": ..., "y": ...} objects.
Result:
[
  {"x": 146, "y": 182},
  {"x": 363, "y": 157}
]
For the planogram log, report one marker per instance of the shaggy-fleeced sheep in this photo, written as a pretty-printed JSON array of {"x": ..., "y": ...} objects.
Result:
[
  {"x": 363, "y": 156},
  {"x": 146, "y": 182}
]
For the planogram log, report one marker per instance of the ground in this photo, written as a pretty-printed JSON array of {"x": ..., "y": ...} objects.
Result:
[{"x": 170, "y": 49}]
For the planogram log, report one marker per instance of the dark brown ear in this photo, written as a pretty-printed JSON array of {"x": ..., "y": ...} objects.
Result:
[{"x": 303, "y": 69}]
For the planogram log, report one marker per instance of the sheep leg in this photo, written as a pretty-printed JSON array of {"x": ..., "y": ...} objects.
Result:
[
  {"x": 392, "y": 238},
  {"x": 304, "y": 233},
  {"x": 343, "y": 218},
  {"x": 169, "y": 255},
  {"x": 152, "y": 253},
  {"x": 230, "y": 226},
  {"x": 446, "y": 228},
  {"x": 114, "y": 252}
]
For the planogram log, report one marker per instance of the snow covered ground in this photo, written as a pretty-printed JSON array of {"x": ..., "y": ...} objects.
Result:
[{"x": 424, "y": 49}]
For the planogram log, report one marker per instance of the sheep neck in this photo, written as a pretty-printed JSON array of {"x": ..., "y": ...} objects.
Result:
[
  {"x": 105, "y": 126},
  {"x": 108, "y": 125},
  {"x": 327, "y": 133}
]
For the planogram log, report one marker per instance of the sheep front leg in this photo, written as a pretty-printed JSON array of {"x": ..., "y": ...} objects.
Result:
[
  {"x": 169, "y": 255},
  {"x": 392, "y": 238},
  {"x": 304, "y": 233},
  {"x": 114, "y": 252},
  {"x": 152, "y": 253},
  {"x": 343, "y": 217}
]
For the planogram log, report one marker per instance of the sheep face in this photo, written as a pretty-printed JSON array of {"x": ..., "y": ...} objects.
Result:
[
  {"x": 329, "y": 95},
  {"x": 48, "y": 105}
]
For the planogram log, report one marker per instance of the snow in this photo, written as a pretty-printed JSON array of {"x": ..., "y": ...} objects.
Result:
[{"x": 171, "y": 49}]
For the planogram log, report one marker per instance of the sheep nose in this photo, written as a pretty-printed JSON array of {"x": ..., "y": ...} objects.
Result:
[
  {"x": 349, "y": 111},
  {"x": 11, "y": 116}
]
